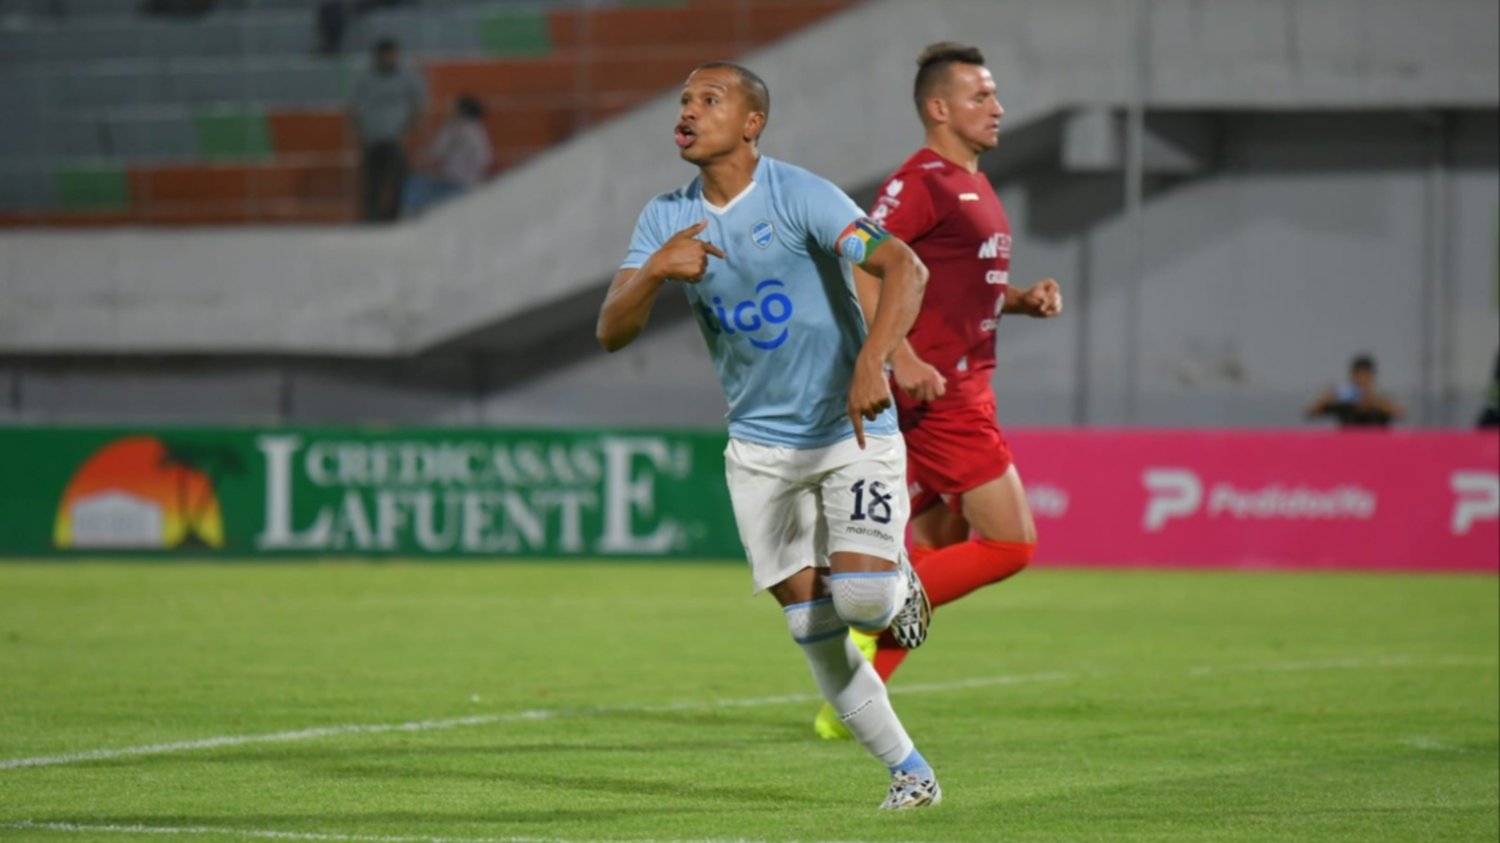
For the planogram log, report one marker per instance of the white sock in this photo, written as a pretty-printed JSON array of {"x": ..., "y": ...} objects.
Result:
[{"x": 848, "y": 682}]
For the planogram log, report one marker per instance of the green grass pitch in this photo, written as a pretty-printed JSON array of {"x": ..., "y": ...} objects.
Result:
[{"x": 571, "y": 702}]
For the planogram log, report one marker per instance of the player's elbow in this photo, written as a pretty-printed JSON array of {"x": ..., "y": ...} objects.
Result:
[
  {"x": 915, "y": 270},
  {"x": 607, "y": 341},
  {"x": 611, "y": 338}
]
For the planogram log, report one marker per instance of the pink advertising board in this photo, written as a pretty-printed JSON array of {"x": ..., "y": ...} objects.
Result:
[{"x": 1286, "y": 499}]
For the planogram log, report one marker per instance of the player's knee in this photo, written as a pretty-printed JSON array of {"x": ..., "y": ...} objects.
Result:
[
  {"x": 814, "y": 621},
  {"x": 867, "y": 600},
  {"x": 1023, "y": 552}
]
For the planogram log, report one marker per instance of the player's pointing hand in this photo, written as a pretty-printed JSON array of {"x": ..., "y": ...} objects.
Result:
[
  {"x": 685, "y": 257},
  {"x": 869, "y": 395}
]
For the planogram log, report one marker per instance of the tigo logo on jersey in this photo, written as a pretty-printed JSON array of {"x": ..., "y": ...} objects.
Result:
[
  {"x": 894, "y": 188},
  {"x": 762, "y": 233},
  {"x": 752, "y": 315},
  {"x": 996, "y": 277},
  {"x": 860, "y": 238}
]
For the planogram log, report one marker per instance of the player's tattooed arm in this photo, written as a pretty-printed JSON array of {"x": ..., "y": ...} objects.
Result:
[
  {"x": 632, "y": 293},
  {"x": 913, "y": 375},
  {"x": 903, "y": 280},
  {"x": 1042, "y": 299}
]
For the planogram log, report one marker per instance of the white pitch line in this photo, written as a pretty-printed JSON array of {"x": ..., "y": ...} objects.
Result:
[
  {"x": 332, "y": 837},
  {"x": 265, "y": 834},
  {"x": 604, "y": 711},
  {"x": 486, "y": 720},
  {"x": 1437, "y": 746}
]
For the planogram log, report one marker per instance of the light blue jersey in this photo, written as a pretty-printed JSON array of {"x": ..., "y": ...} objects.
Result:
[{"x": 779, "y": 313}]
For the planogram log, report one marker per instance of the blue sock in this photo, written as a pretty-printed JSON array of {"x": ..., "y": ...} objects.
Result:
[{"x": 914, "y": 763}]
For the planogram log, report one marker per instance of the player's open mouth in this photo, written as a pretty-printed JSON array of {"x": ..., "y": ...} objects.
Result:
[{"x": 685, "y": 136}]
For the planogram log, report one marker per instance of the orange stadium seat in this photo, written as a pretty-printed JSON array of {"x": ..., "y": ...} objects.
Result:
[{"x": 301, "y": 132}]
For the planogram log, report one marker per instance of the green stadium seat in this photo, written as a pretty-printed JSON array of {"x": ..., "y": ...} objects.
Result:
[
  {"x": 232, "y": 135},
  {"x": 92, "y": 188},
  {"x": 517, "y": 33}
]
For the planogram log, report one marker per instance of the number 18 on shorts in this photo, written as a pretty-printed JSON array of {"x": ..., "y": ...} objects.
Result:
[{"x": 796, "y": 506}]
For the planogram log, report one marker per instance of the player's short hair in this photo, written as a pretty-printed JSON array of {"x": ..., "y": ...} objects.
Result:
[
  {"x": 754, "y": 86},
  {"x": 933, "y": 64},
  {"x": 1364, "y": 362}
]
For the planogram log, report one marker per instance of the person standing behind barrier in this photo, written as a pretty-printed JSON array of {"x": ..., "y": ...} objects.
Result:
[
  {"x": 1489, "y": 416},
  {"x": 385, "y": 105},
  {"x": 458, "y": 158},
  {"x": 1358, "y": 402}
]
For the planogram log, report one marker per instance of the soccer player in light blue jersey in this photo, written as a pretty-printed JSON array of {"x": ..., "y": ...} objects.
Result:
[{"x": 815, "y": 464}]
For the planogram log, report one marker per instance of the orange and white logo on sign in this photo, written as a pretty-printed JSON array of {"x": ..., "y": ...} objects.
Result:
[{"x": 139, "y": 493}]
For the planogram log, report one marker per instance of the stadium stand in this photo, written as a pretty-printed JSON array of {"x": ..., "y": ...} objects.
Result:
[
  {"x": 233, "y": 117},
  {"x": 1289, "y": 156}
]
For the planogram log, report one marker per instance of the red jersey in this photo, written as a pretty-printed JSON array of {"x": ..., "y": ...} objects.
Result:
[{"x": 954, "y": 222}]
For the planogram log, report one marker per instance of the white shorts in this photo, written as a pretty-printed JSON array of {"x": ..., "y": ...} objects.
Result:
[{"x": 794, "y": 506}]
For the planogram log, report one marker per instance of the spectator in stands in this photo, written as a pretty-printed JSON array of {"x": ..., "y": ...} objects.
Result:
[
  {"x": 1358, "y": 402},
  {"x": 458, "y": 158},
  {"x": 1490, "y": 415},
  {"x": 388, "y": 99}
]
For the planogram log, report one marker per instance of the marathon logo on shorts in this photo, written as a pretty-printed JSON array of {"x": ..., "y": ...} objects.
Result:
[
  {"x": 860, "y": 239},
  {"x": 870, "y": 532}
]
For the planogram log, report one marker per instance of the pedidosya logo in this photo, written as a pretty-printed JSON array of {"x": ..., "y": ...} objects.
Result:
[
  {"x": 140, "y": 493},
  {"x": 761, "y": 316}
]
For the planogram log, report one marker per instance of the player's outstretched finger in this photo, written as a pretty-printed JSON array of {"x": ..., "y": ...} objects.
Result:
[
  {"x": 859, "y": 427},
  {"x": 693, "y": 230},
  {"x": 713, "y": 250}
]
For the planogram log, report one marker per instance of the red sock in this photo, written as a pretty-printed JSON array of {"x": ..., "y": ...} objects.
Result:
[
  {"x": 952, "y": 572},
  {"x": 958, "y": 569}
]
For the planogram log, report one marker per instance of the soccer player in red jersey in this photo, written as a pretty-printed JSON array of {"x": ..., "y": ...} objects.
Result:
[{"x": 970, "y": 524}]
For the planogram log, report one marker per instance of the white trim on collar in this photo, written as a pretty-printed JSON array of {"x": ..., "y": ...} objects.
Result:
[{"x": 718, "y": 211}]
